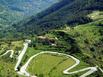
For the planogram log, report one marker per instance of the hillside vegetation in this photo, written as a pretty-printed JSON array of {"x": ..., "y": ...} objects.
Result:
[
  {"x": 15, "y": 11},
  {"x": 85, "y": 42},
  {"x": 72, "y": 27},
  {"x": 68, "y": 12}
]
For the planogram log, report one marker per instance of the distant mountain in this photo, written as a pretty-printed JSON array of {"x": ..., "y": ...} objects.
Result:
[
  {"x": 12, "y": 11},
  {"x": 69, "y": 12}
]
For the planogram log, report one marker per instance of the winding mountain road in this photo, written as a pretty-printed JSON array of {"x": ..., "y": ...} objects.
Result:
[
  {"x": 91, "y": 69},
  {"x": 23, "y": 71}
]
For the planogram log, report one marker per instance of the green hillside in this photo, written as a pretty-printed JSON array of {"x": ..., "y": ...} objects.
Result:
[
  {"x": 14, "y": 11},
  {"x": 86, "y": 39},
  {"x": 72, "y": 13},
  {"x": 64, "y": 12},
  {"x": 84, "y": 42},
  {"x": 71, "y": 28}
]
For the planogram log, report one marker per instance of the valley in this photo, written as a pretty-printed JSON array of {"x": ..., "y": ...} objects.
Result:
[
  {"x": 65, "y": 40},
  {"x": 51, "y": 38},
  {"x": 15, "y": 11}
]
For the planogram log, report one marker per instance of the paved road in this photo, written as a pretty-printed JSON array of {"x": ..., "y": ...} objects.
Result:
[
  {"x": 100, "y": 69},
  {"x": 91, "y": 69},
  {"x": 11, "y": 55},
  {"x": 22, "y": 54},
  {"x": 24, "y": 67}
]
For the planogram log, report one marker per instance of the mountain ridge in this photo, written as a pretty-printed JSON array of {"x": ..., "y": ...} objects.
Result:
[{"x": 71, "y": 13}]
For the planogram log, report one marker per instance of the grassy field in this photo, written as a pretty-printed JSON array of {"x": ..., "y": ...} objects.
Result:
[
  {"x": 49, "y": 65},
  {"x": 7, "y": 67}
]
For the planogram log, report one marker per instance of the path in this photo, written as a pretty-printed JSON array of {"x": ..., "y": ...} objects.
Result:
[
  {"x": 91, "y": 69},
  {"x": 24, "y": 67},
  {"x": 22, "y": 54},
  {"x": 11, "y": 55},
  {"x": 100, "y": 69}
]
